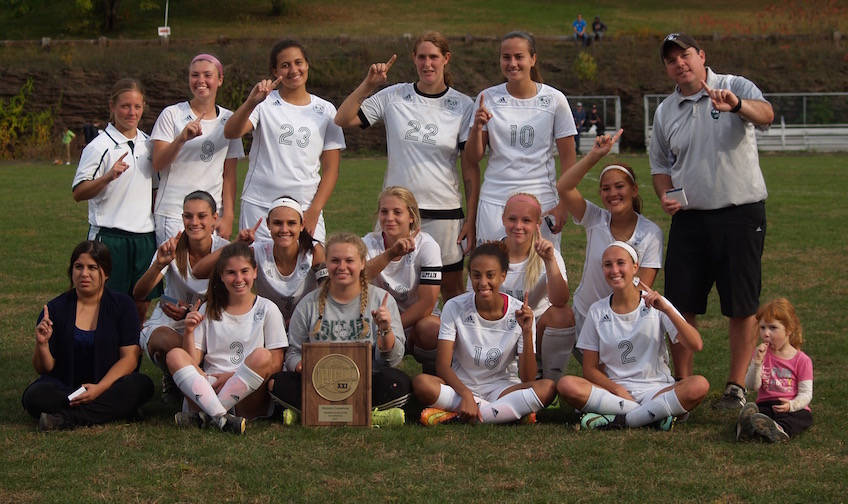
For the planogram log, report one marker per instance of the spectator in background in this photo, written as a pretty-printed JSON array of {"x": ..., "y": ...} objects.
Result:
[
  {"x": 67, "y": 138},
  {"x": 579, "y": 27},
  {"x": 596, "y": 119},
  {"x": 579, "y": 122},
  {"x": 598, "y": 28},
  {"x": 91, "y": 130}
]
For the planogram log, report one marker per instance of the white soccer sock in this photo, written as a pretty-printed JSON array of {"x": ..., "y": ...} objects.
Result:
[
  {"x": 605, "y": 402},
  {"x": 195, "y": 386},
  {"x": 448, "y": 399},
  {"x": 557, "y": 343},
  {"x": 243, "y": 383},
  {"x": 662, "y": 406},
  {"x": 511, "y": 407}
]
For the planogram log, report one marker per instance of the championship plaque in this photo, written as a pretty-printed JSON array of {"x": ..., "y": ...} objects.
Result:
[{"x": 336, "y": 383}]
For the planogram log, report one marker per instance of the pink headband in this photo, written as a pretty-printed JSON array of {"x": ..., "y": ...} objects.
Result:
[
  {"x": 210, "y": 59},
  {"x": 526, "y": 198},
  {"x": 618, "y": 167}
]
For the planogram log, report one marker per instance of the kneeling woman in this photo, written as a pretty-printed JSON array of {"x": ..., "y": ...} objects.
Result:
[
  {"x": 480, "y": 335},
  {"x": 346, "y": 309},
  {"x": 239, "y": 343},
  {"x": 87, "y": 338},
  {"x": 626, "y": 380}
]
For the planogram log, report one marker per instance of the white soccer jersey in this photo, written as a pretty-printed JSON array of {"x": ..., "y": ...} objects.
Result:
[
  {"x": 538, "y": 299},
  {"x": 187, "y": 289},
  {"x": 423, "y": 134},
  {"x": 284, "y": 290},
  {"x": 647, "y": 239},
  {"x": 125, "y": 203},
  {"x": 200, "y": 162},
  {"x": 422, "y": 266},
  {"x": 522, "y": 143},
  {"x": 483, "y": 349},
  {"x": 228, "y": 341},
  {"x": 288, "y": 141},
  {"x": 630, "y": 345}
]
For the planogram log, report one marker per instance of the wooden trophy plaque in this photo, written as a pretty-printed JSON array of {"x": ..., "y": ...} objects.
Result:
[{"x": 336, "y": 383}]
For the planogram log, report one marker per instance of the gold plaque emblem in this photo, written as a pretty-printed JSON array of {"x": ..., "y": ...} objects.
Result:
[{"x": 335, "y": 377}]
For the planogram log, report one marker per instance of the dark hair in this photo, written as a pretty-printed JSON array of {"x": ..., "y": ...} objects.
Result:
[
  {"x": 282, "y": 46},
  {"x": 217, "y": 295},
  {"x": 181, "y": 252},
  {"x": 305, "y": 241},
  {"x": 637, "y": 201},
  {"x": 97, "y": 251},
  {"x": 496, "y": 249},
  {"x": 438, "y": 40},
  {"x": 531, "y": 45}
]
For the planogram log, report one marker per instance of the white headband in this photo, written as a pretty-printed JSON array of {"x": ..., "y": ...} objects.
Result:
[
  {"x": 630, "y": 250},
  {"x": 288, "y": 203},
  {"x": 618, "y": 167}
]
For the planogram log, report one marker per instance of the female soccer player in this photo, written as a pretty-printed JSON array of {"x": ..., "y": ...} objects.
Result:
[
  {"x": 173, "y": 262},
  {"x": 347, "y": 309},
  {"x": 426, "y": 129},
  {"x": 626, "y": 380},
  {"x": 116, "y": 177},
  {"x": 229, "y": 353},
  {"x": 481, "y": 334},
  {"x": 190, "y": 152},
  {"x": 406, "y": 262},
  {"x": 86, "y": 350},
  {"x": 537, "y": 269},
  {"x": 522, "y": 122},
  {"x": 620, "y": 219},
  {"x": 294, "y": 138}
]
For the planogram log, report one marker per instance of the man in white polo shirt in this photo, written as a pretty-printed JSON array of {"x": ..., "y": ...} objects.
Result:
[{"x": 703, "y": 142}]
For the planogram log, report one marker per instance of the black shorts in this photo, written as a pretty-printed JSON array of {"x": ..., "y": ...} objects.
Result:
[{"x": 724, "y": 247}]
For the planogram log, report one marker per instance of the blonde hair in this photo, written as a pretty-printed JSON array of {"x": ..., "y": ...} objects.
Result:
[
  {"x": 534, "y": 261},
  {"x": 406, "y": 196},
  {"x": 121, "y": 87},
  {"x": 781, "y": 310},
  {"x": 344, "y": 237}
]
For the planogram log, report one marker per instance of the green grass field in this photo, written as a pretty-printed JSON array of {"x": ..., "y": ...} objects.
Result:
[{"x": 699, "y": 461}]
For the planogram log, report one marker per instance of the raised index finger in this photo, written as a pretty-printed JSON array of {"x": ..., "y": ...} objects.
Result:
[
  {"x": 122, "y": 157},
  {"x": 482, "y": 105},
  {"x": 46, "y": 314},
  {"x": 200, "y": 118},
  {"x": 617, "y": 135},
  {"x": 385, "y": 300},
  {"x": 526, "y": 298},
  {"x": 391, "y": 62},
  {"x": 705, "y": 87},
  {"x": 277, "y": 82},
  {"x": 258, "y": 223}
]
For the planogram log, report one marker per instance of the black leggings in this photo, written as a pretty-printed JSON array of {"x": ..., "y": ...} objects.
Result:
[
  {"x": 119, "y": 402},
  {"x": 793, "y": 423},
  {"x": 389, "y": 388}
]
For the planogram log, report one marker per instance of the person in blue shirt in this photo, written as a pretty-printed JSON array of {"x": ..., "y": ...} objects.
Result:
[{"x": 579, "y": 27}]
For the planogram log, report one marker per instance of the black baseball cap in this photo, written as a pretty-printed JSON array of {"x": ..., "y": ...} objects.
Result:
[{"x": 682, "y": 40}]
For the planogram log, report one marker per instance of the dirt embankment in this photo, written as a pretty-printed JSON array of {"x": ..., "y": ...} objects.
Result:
[{"x": 75, "y": 79}]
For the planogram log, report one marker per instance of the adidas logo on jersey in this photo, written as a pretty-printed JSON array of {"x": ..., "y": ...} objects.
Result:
[
  {"x": 606, "y": 318},
  {"x": 469, "y": 320},
  {"x": 188, "y": 118},
  {"x": 407, "y": 97},
  {"x": 277, "y": 103},
  {"x": 451, "y": 103},
  {"x": 502, "y": 100},
  {"x": 544, "y": 101},
  {"x": 318, "y": 108}
]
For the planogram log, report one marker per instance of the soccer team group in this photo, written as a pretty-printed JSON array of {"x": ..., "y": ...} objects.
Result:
[{"x": 231, "y": 319}]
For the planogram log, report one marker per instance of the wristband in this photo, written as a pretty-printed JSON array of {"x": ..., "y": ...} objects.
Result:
[{"x": 738, "y": 106}]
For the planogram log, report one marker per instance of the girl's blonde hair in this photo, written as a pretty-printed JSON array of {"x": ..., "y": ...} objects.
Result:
[
  {"x": 344, "y": 237},
  {"x": 217, "y": 295},
  {"x": 121, "y": 87},
  {"x": 782, "y": 311},
  {"x": 406, "y": 196},
  {"x": 534, "y": 261}
]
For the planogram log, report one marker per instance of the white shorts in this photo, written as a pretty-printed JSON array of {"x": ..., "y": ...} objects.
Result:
[
  {"x": 490, "y": 224},
  {"x": 646, "y": 394},
  {"x": 147, "y": 331},
  {"x": 166, "y": 228},
  {"x": 251, "y": 213},
  {"x": 445, "y": 232},
  {"x": 491, "y": 391}
]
